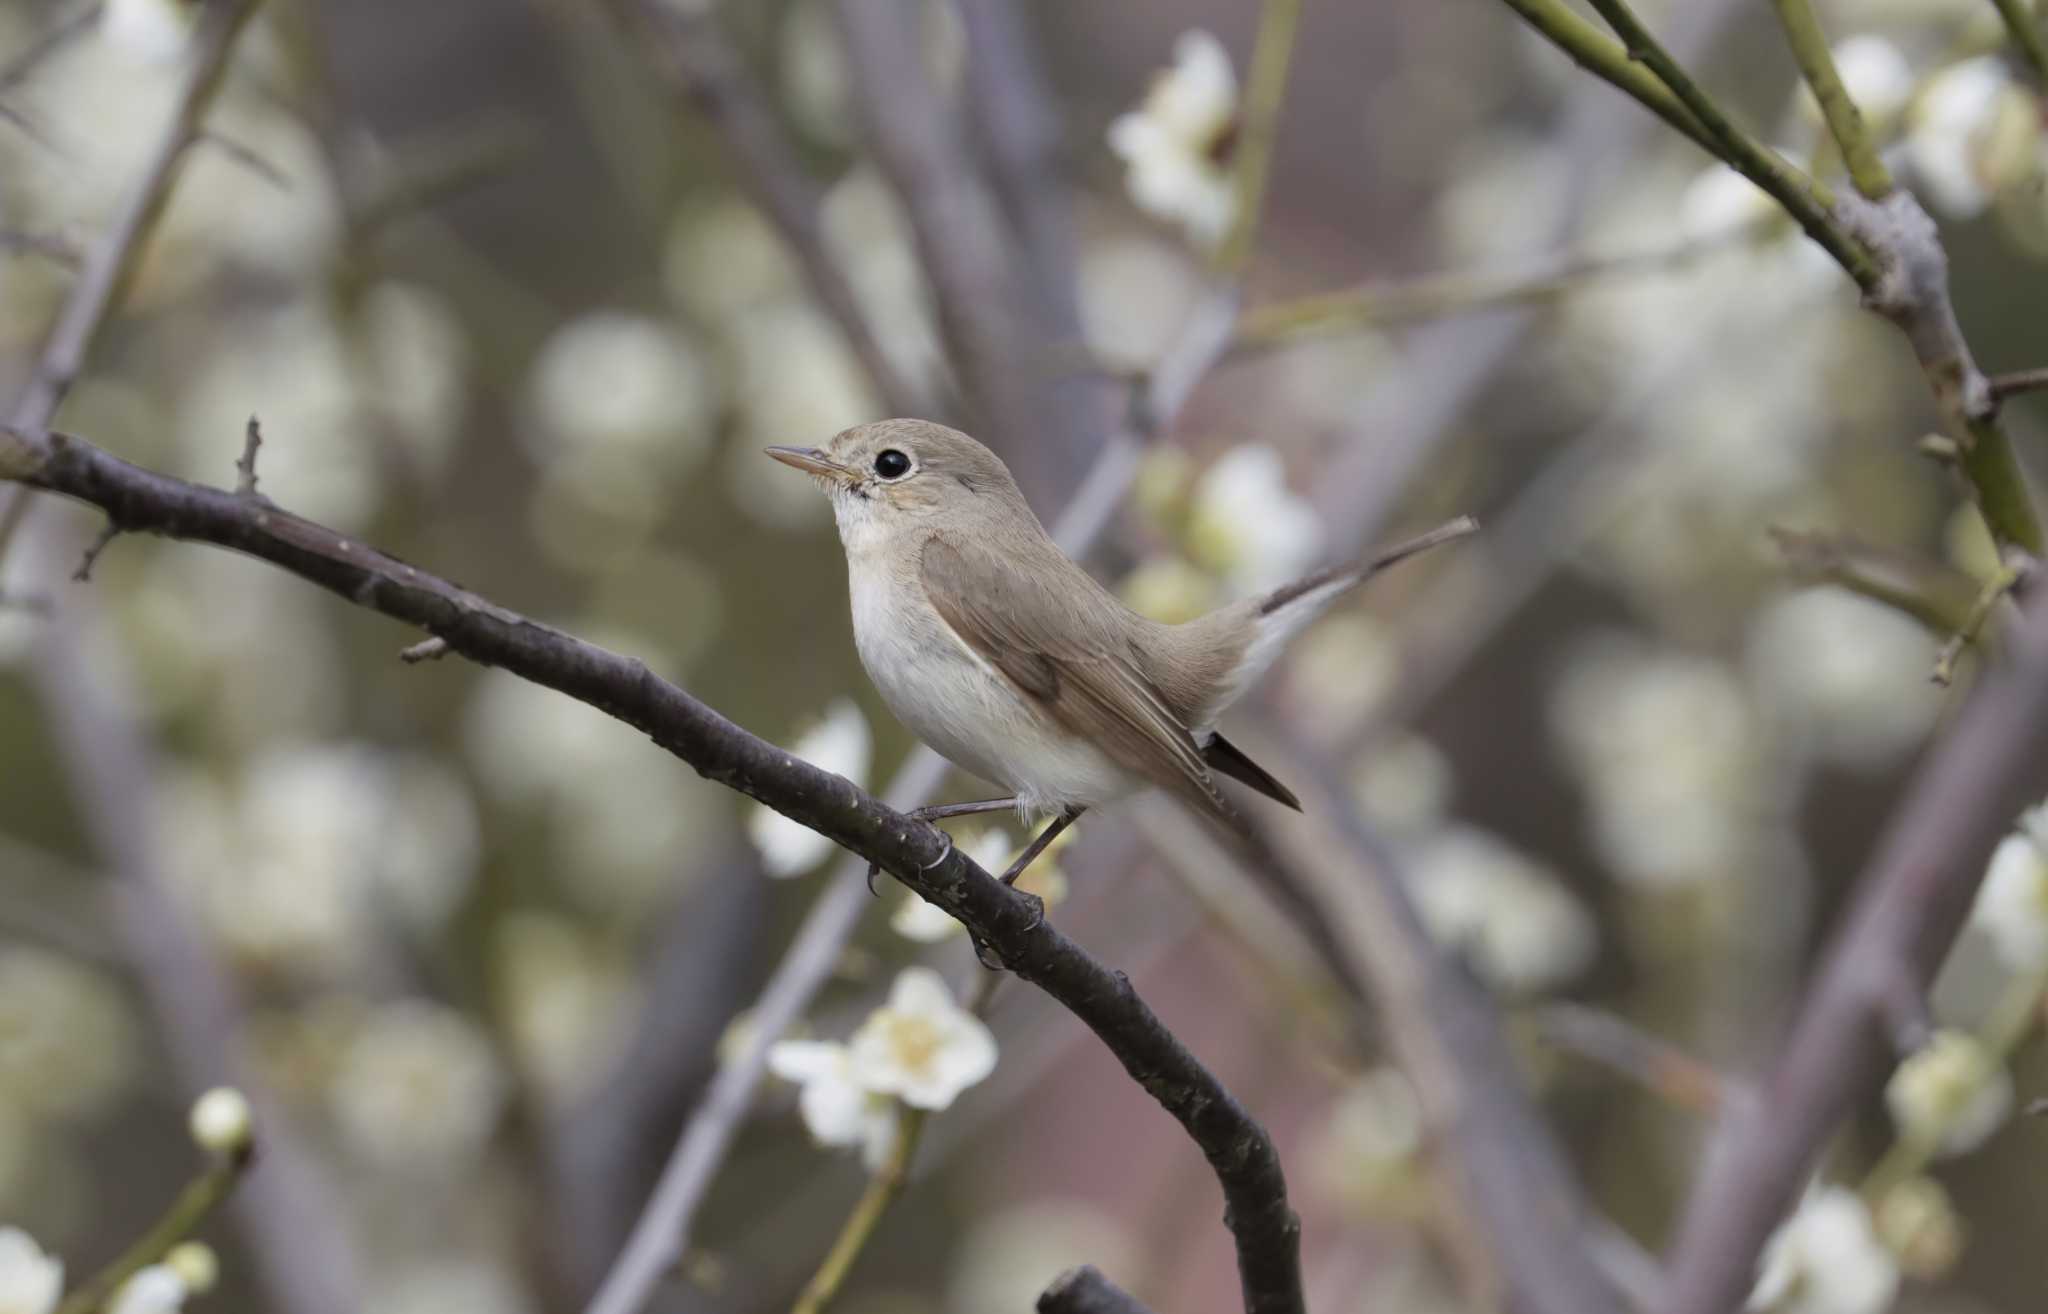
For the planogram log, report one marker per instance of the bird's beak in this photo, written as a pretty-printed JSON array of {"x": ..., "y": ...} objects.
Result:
[{"x": 812, "y": 462}]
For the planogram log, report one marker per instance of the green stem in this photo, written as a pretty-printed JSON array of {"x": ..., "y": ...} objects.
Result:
[
  {"x": 2024, "y": 25},
  {"x": 1808, "y": 201},
  {"x": 1994, "y": 470},
  {"x": 198, "y": 1200},
  {"x": 1603, "y": 56},
  {"x": 1966, "y": 634},
  {"x": 1458, "y": 292},
  {"x": 1845, "y": 122},
  {"x": 1265, "y": 90}
]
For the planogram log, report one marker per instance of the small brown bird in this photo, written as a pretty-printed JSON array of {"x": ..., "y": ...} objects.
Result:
[{"x": 998, "y": 651}]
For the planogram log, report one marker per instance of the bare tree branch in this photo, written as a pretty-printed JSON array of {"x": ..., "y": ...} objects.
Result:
[
  {"x": 1910, "y": 903},
  {"x": 1009, "y": 922},
  {"x": 695, "y": 59}
]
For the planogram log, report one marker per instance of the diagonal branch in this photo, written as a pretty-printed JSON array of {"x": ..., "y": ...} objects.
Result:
[
  {"x": 1263, "y": 1224},
  {"x": 1910, "y": 903}
]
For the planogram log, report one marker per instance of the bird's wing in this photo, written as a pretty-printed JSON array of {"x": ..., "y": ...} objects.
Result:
[{"x": 1028, "y": 629}]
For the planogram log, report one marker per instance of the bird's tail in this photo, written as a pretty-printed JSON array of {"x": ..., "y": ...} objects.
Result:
[{"x": 1278, "y": 616}]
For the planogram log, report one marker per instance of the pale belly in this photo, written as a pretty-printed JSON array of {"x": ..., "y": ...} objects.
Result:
[{"x": 972, "y": 716}]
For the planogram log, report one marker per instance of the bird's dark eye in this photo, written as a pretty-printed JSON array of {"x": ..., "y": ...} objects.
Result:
[{"x": 891, "y": 464}]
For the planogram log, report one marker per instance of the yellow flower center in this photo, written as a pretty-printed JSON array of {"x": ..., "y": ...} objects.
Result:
[{"x": 914, "y": 1040}]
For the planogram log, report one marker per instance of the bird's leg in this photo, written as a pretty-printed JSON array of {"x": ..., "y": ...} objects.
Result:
[
  {"x": 1045, "y": 837},
  {"x": 939, "y": 812}
]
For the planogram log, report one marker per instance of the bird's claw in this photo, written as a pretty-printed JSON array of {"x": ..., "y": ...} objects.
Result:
[{"x": 875, "y": 868}]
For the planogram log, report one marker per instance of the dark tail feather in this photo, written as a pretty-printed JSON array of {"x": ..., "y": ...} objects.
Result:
[{"x": 1225, "y": 758}]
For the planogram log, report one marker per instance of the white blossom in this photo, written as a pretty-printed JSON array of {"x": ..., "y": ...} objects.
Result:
[
  {"x": 842, "y": 744},
  {"x": 221, "y": 1121},
  {"x": 156, "y": 1289},
  {"x": 1967, "y": 133},
  {"x": 1366, "y": 1152},
  {"x": 1920, "y": 1225},
  {"x": 450, "y": 1284},
  {"x": 196, "y": 1265},
  {"x": 1245, "y": 522},
  {"x": 1169, "y": 589},
  {"x": 1826, "y": 1259},
  {"x": 1876, "y": 76},
  {"x": 417, "y": 1084},
  {"x": 621, "y": 388},
  {"x": 1719, "y": 201},
  {"x": 2011, "y": 910},
  {"x": 1952, "y": 1094},
  {"x": 1403, "y": 784},
  {"x": 1851, "y": 670},
  {"x": 1176, "y": 145},
  {"x": 1515, "y": 925},
  {"x": 30, "y": 1281},
  {"x": 921, "y": 1047},
  {"x": 838, "y": 1110},
  {"x": 154, "y": 31}
]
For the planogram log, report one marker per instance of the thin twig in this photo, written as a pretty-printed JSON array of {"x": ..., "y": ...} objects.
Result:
[
  {"x": 115, "y": 252},
  {"x": 1459, "y": 292},
  {"x": 1008, "y": 921},
  {"x": 1909, "y": 905},
  {"x": 1265, "y": 90},
  {"x": 245, "y": 464},
  {"x": 49, "y": 42},
  {"x": 1845, "y": 122},
  {"x": 2017, "y": 382},
  {"x": 1606, "y": 58},
  {"x": 1994, "y": 591},
  {"x": 1657, "y": 1064},
  {"x": 194, "y": 1205},
  {"x": 694, "y": 57},
  {"x": 1808, "y": 200},
  {"x": 2024, "y": 25},
  {"x": 1932, "y": 592}
]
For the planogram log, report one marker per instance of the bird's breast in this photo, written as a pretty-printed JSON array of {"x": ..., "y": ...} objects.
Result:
[{"x": 961, "y": 706}]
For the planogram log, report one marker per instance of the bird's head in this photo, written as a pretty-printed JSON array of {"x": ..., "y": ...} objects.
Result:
[{"x": 892, "y": 474}]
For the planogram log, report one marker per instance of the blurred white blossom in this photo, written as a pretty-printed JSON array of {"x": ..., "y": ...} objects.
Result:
[
  {"x": 1952, "y": 1094},
  {"x": 30, "y": 1281},
  {"x": 1826, "y": 1259},
  {"x": 419, "y": 354},
  {"x": 1510, "y": 919},
  {"x": 867, "y": 233},
  {"x": 621, "y": 388},
  {"x": 195, "y": 1264},
  {"x": 1671, "y": 757},
  {"x": 417, "y": 1086},
  {"x": 155, "y": 1289},
  {"x": 837, "y": 1109},
  {"x": 1366, "y": 1153},
  {"x": 1919, "y": 1224},
  {"x": 1403, "y": 784},
  {"x": 1344, "y": 667},
  {"x": 1136, "y": 293},
  {"x": 1177, "y": 145},
  {"x": 1503, "y": 195},
  {"x": 1247, "y": 524},
  {"x": 2011, "y": 909},
  {"x": 1719, "y": 201},
  {"x": 450, "y": 1285},
  {"x": 1002, "y": 1261},
  {"x": 1168, "y": 588},
  {"x": 795, "y": 382},
  {"x": 154, "y": 30},
  {"x": 1970, "y": 132},
  {"x": 565, "y": 1001},
  {"x": 723, "y": 257},
  {"x": 1851, "y": 670},
  {"x": 1874, "y": 73},
  {"x": 921, "y": 1047},
  {"x": 67, "y": 1041},
  {"x": 841, "y": 743},
  {"x": 221, "y": 1121}
]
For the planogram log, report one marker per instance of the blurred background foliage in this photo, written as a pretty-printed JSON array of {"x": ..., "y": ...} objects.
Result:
[{"x": 503, "y": 311}]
